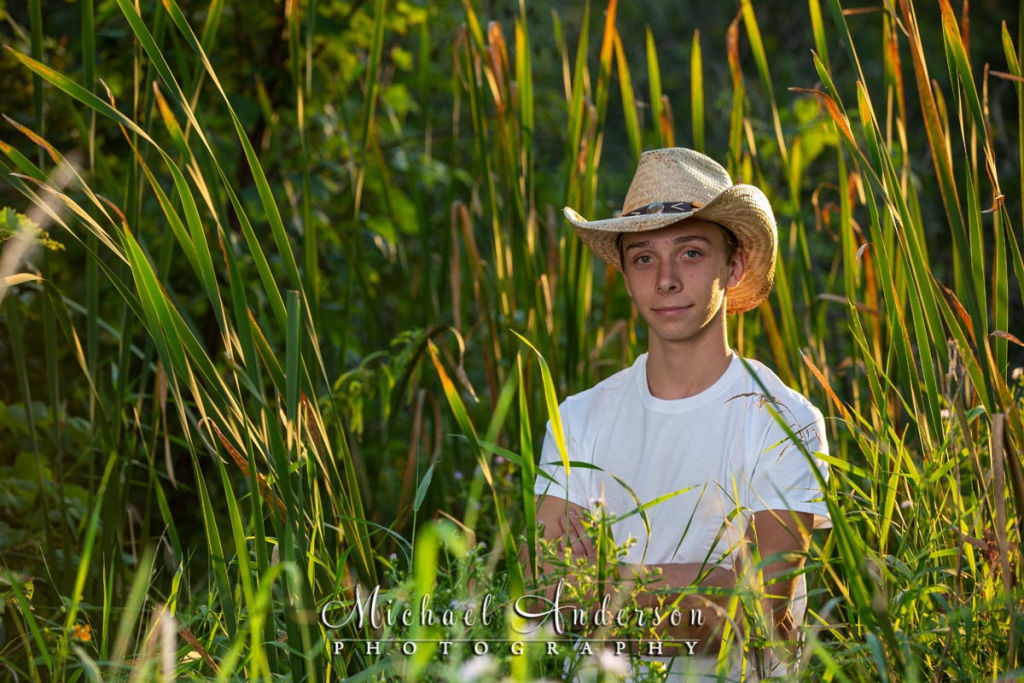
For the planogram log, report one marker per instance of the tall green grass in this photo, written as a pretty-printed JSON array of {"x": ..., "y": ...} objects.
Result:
[{"x": 287, "y": 405}]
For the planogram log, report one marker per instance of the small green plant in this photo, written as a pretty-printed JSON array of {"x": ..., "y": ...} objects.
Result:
[
  {"x": 211, "y": 422},
  {"x": 594, "y": 609},
  {"x": 13, "y": 223}
]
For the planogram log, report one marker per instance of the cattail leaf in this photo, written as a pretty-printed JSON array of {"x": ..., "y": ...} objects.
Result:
[
  {"x": 697, "y": 92},
  {"x": 551, "y": 403},
  {"x": 424, "y": 486},
  {"x": 629, "y": 105},
  {"x": 961, "y": 65},
  {"x": 654, "y": 84},
  {"x": 818, "y": 31},
  {"x": 732, "y": 47},
  {"x": 761, "y": 61}
]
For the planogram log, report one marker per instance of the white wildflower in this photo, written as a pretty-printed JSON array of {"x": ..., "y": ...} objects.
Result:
[
  {"x": 614, "y": 664},
  {"x": 478, "y": 668}
]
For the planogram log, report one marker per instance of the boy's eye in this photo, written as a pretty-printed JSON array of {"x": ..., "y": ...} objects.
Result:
[
  {"x": 692, "y": 253},
  {"x": 642, "y": 258}
]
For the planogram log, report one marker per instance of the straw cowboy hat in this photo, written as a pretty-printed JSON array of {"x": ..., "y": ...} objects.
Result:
[{"x": 673, "y": 184}]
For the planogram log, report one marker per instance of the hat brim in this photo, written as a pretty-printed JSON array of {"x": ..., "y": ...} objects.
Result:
[{"x": 743, "y": 209}]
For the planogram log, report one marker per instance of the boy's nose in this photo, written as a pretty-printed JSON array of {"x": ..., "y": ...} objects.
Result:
[{"x": 668, "y": 279}]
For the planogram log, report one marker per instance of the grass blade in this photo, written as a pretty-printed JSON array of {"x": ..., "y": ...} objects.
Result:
[{"x": 697, "y": 92}]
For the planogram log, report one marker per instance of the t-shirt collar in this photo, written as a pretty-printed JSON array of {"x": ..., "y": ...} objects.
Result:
[{"x": 679, "y": 405}]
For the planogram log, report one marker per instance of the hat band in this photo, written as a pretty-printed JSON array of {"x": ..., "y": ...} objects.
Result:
[{"x": 664, "y": 207}]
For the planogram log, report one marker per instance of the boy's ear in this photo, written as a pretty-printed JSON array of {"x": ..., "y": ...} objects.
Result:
[{"x": 738, "y": 268}]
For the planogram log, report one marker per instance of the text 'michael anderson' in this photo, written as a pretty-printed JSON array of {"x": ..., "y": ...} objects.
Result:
[{"x": 369, "y": 611}]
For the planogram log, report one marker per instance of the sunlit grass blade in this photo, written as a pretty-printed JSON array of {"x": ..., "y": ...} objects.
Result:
[
  {"x": 761, "y": 61},
  {"x": 818, "y": 30},
  {"x": 936, "y": 139},
  {"x": 912, "y": 369},
  {"x": 732, "y": 37},
  {"x": 697, "y": 91},
  {"x": 266, "y": 196},
  {"x": 467, "y": 429},
  {"x": 629, "y": 107},
  {"x": 87, "y": 550},
  {"x": 654, "y": 83},
  {"x": 604, "y": 75}
]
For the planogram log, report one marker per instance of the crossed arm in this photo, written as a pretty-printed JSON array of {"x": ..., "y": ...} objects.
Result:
[{"x": 781, "y": 536}]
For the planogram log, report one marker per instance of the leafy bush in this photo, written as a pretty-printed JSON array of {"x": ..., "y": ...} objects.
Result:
[{"x": 316, "y": 303}]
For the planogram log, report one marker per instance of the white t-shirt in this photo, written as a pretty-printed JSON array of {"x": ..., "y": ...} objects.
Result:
[{"x": 715, "y": 458}]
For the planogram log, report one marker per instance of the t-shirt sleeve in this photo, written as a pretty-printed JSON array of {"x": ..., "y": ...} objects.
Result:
[
  {"x": 570, "y": 488},
  {"x": 782, "y": 475}
]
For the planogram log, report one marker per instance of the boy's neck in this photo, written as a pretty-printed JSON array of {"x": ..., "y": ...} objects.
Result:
[{"x": 684, "y": 369}]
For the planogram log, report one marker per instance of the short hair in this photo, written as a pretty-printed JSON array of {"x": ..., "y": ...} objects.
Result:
[{"x": 731, "y": 245}]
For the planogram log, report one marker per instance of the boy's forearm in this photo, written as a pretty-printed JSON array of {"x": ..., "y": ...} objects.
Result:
[{"x": 702, "y": 613}]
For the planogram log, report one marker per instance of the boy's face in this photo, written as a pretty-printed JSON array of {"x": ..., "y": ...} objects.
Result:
[{"x": 677, "y": 277}]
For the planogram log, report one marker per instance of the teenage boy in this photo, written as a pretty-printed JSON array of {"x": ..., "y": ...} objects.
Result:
[{"x": 690, "y": 422}]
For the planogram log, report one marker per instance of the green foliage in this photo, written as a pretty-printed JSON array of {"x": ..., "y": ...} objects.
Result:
[
  {"x": 13, "y": 223},
  {"x": 277, "y": 349}
]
